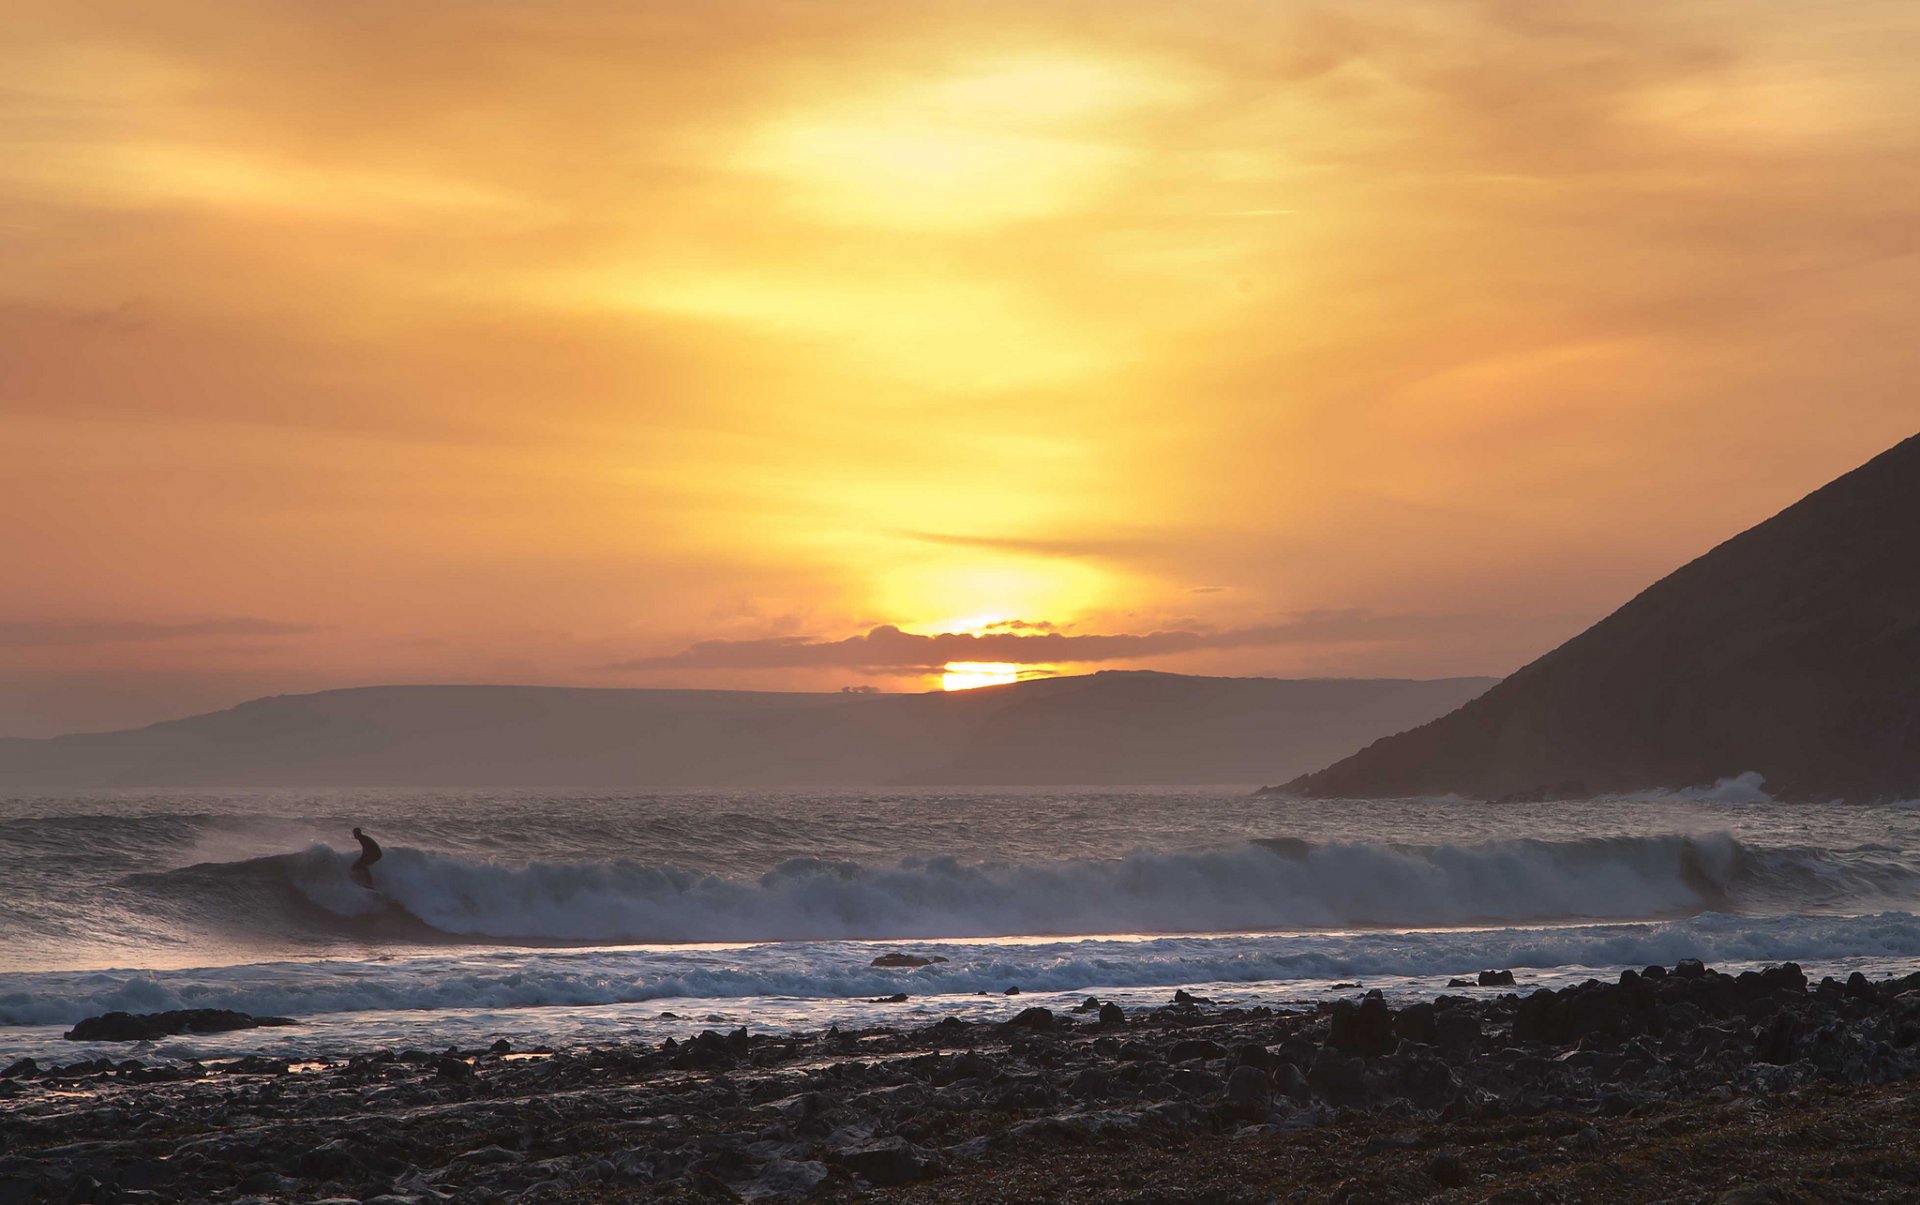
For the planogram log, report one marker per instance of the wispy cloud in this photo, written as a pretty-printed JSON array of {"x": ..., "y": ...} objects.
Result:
[
  {"x": 38, "y": 633},
  {"x": 889, "y": 648}
]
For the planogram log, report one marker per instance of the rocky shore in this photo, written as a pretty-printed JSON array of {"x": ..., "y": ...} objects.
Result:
[{"x": 1671, "y": 1083}]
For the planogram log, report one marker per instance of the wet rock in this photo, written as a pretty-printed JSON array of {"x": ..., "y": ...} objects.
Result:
[
  {"x": 896, "y": 998},
  {"x": 784, "y": 1180},
  {"x": 889, "y": 1162},
  {"x": 1112, "y": 1015},
  {"x": 1689, "y": 968},
  {"x": 1091, "y": 1084},
  {"x": 1446, "y": 1169},
  {"x": 1338, "y": 1078},
  {"x": 1415, "y": 1023},
  {"x": 1011, "y": 991},
  {"x": 1037, "y": 1018},
  {"x": 904, "y": 960},
  {"x": 1288, "y": 1081},
  {"x": 457, "y": 1070},
  {"x": 1456, "y": 1029},
  {"x": 1195, "y": 1048},
  {"x": 1495, "y": 979},
  {"x": 500, "y": 1046},
  {"x": 1249, "y": 1086},
  {"x": 145, "y": 1027},
  {"x": 1775, "y": 1043},
  {"x": 1365, "y": 1029},
  {"x": 20, "y": 1068}
]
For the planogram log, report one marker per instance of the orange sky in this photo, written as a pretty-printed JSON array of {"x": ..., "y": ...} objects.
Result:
[{"x": 635, "y": 343}]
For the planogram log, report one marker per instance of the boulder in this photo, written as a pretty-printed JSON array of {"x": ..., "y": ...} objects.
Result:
[
  {"x": 1495, "y": 979},
  {"x": 1188, "y": 1049},
  {"x": 1249, "y": 1086},
  {"x": 145, "y": 1027},
  {"x": 904, "y": 960},
  {"x": 888, "y": 1162},
  {"x": 1365, "y": 1028},
  {"x": 1036, "y": 1018}
]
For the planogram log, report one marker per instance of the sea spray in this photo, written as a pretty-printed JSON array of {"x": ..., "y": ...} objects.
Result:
[{"x": 1279, "y": 884}]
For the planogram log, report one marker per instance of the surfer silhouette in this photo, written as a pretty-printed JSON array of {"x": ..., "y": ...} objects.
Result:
[{"x": 369, "y": 854}]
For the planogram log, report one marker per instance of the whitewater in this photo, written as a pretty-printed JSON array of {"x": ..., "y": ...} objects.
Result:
[{"x": 573, "y": 918}]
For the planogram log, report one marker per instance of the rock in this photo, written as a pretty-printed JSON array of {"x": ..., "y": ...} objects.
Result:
[
  {"x": 1188, "y": 1049},
  {"x": 500, "y": 1046},
  {"x": 1446, "y": 1169},
  {"x": 1033, "y": 1018},
  {"x": 1456, "y": 1028},
  {"x": 1690, "y": 968},
  {"x": 1289, "y": 1082},
  {"x": 896, "y": 998},
  {"x": 1112, "y": 1014},
  {"x": 1340, "y": 1079},
  {"x": 1090, "y": 1084},
  {"x": 1249, "y": 1086},
  {"x": 904, "y": 960},
  {"x": 783, "y": 1180},
  {"x": 1775, "y": 1043},
  {"x": 1197, "y": 1083},
  {"x": 1012, "y": 991},
  {"x": 329, "y": 1161},
  {"x": 1495, "y": 979},
  {"x": 889, "y": 1162},
  {"x": 1461, "y": 983},
  {"x": 145, "y": 1027},
  {"x": 1415, "y": 1023},
  {"x": 19, "y": 1068},
  {"x": 449, "y": 1068},
  {"x": 1090, "y": 1005},
  {"x": 1364, "y": 1029}
]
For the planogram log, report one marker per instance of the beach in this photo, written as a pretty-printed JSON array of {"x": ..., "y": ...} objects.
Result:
[{"x": 1663, "y": 1083}]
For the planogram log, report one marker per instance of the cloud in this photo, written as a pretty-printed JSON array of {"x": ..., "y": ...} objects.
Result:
[
  {"x": 889, "y": 648},
  {"x": 34, "y": 633},
  {"x": 1120, "y": 547}
]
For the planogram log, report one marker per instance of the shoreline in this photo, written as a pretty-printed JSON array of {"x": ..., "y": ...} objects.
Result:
[{"x": 1457, "y": 1097}]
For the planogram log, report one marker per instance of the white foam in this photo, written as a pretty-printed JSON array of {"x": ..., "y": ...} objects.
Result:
[
  {"x": 840, "y": 970},
  {"x": 1282, "y": 886}
]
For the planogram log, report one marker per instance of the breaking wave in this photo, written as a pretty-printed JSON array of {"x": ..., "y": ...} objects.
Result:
[
  {"x": 816, "y": 971},
  {"x": 1265, "y": 885}
]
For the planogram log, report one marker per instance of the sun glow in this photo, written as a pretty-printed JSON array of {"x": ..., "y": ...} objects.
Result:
[{"x": 968, "y": 675}]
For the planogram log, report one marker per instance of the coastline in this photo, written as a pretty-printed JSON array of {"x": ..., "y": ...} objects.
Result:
[{"x": 1587, "y": 1093}]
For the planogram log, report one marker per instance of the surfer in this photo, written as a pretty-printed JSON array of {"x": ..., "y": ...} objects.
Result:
[{"x": 369, "y": 854}]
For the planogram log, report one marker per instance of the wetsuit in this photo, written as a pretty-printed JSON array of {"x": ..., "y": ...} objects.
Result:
[{"x": 369, "y": 854}]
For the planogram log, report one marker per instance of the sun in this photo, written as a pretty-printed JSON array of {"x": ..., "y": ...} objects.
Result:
[{"x": 967, "y": 675}]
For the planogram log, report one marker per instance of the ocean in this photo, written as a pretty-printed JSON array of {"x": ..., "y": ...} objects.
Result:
[{"x": 569, "y": 918}]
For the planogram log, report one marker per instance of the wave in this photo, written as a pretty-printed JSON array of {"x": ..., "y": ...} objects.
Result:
[
  {"x": 841, "y": 970},
  {"x": 1274, "y": 884}
]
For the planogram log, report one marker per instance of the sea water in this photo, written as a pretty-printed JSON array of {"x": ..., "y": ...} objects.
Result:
[{"x": 567, "y": 918}]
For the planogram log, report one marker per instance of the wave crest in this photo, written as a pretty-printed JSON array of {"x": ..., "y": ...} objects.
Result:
[{"x": 1276, "y": 884}]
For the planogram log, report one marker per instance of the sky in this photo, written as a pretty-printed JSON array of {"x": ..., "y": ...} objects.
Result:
[{"x": 775, "y": 345}]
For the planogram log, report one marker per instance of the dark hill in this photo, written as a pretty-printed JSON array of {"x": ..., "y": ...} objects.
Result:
[
  {"x": 1106, "y": 728},
  {"x": 1792, "y": 649}
]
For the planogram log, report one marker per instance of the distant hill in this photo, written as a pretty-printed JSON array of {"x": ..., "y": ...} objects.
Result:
[
  {"x": 1792, "y": 649},
  {"x": 1107, "y": 728}
]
